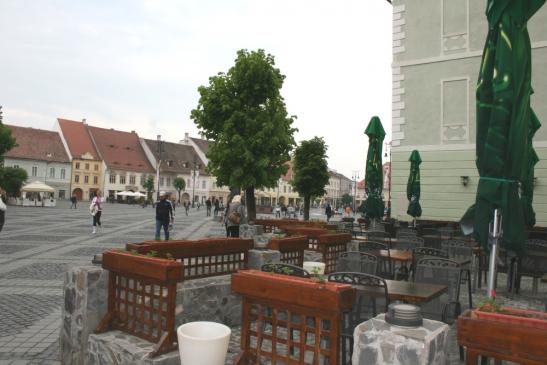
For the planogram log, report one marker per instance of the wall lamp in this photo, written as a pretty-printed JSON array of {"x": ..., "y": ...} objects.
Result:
[{"x": 465, "y": 180}]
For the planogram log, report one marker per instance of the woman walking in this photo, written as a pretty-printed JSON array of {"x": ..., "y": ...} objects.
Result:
[
  {"x": 235, "y": 214},
  {"x": 96, "y": 209}
]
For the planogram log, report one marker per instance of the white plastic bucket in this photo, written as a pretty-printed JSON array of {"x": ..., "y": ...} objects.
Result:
[
  {"x": 203, "y": 343},
  {"x": 314, "y": 268}
]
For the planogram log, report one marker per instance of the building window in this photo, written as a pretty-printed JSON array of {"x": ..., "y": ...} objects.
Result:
[
  {"x": 204, "y": 184},
  {"x": 52, "y": 172},
  {"x": 63, "y": 174},
  {"x": 143, "y": 179},
  {"x": 76, "y": 178},
  {"x": 96, "y": 167},
  {"x": 188, "y": 182},
  {"x": 284, "y": 188},
  {"x": 112, "y": 178},
  {"x": 161, "y": 181},
  {"x": 61, "y": 194},
  {"x": 34, "y": 170},
  {"x": 95, "y": 180},
  {"x": 170, "y": 163},
  {"x": 15, "y": 166},
  {"x": 87, "y": 166},
  {"x": 122, "y": 179},
  {"x": 77, "y": 166},
  {"x": 132, "y": 179},
  {"x": 168, "y": 181},
  {"x": 86, "y": 179}
]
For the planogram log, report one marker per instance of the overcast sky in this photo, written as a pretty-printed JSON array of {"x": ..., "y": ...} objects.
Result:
[{"x": 136, "y": 65}]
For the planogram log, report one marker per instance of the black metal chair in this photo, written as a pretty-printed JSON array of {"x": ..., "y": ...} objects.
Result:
[
  {"x": 425, "y": 252},
  {"x": 385, "y": 265},
  {"x": 355, "y": 261},
  {"x": 366, "y": 306},
  {"x": 407, "y": 242},
  {"x": 286, "y": 269},
  {"x": 406, "y": 232},
  {"x": 532, "y": 264}
]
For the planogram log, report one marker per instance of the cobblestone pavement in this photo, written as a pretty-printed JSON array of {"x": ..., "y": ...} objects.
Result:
[{"x": 37, "y": 245}]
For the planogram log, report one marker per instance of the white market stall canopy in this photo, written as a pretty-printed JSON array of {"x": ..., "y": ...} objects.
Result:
[{"x": 38, "y": 187}]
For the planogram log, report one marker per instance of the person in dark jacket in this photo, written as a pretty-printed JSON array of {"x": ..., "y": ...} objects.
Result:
[
  {"x": 233, "y": 210},
  {"x": 328, "y": 211},
  {"x": 164, "y": 216}
]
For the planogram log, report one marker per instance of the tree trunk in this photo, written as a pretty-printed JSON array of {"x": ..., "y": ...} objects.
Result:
[
  {"x": 250, "y": 203},
  {"x": 307, "y": 199},
  {"x": 179, "y": 196}
]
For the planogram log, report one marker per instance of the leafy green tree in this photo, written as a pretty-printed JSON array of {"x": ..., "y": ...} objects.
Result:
[
  {"x": 7, "y": 142},
  {"x": 311, "y": 173},
  {"x": 12, "y": 179},
  {"x": 347, "y": 199},
  {"x": 243, "y": 112},
  {"x": 179, "y": 184},
  {"x": 149, "y": 186}
]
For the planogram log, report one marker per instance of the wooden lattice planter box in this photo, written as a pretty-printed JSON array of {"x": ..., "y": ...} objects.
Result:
[
  {"x": 290, "y": 320},
  {"x": 291, "y": 248},
  {"x": 331, "y": 246},
  {"x": 142, "y": 298},
  {"x": 501, "y": 338}
]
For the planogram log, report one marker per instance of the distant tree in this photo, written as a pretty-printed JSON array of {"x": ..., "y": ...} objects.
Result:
[
  {"x": 243, "y": 112},
  {"x": 7, "y": 142},
  {"x": 311, "y": 173},
  {"x": 12, "y": 179},
  {"x": 149, "y": 186},
  {"x": 179, "y": 184},
  {"x": 347, "y": 199}
]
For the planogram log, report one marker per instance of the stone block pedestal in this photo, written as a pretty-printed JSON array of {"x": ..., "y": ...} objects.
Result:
[
  {"x": 378, "y": 342},
  {"x": 257, "y": 258}
]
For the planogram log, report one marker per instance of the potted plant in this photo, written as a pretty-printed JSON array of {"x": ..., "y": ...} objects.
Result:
[{"x": 492, "y": 311}]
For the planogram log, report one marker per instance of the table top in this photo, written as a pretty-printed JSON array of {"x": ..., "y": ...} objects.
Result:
[
  {"x": 407, "y": 291},
  {"x": 394, "y": 255}
]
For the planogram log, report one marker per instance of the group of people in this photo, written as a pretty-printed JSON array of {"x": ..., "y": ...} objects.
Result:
[{"x": 288, "y": 211}]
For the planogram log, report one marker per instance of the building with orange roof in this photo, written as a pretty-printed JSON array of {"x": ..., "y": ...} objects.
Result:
[
  {"x": 87, "y": 165},
  {"x": 125, "y": 164},
  {"x": 44, "y": 157}
]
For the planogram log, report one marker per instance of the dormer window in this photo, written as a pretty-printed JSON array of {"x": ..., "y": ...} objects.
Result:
[{"x": 170, "y": 163}]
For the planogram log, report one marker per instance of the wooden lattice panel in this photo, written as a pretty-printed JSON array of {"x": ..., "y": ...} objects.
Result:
[
  {"x": 142, "y": 298},
  {"x": 203, "y": 258},
  {"x": 288, "y": 320},
  {"x": 291, "y": 249},
  {"x": 331, "y": 246}
]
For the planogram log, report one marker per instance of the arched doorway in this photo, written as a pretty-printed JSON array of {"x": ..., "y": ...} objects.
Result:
[
  {"x": 78, "y": 193},
  {"x": 185, "y": 197}
]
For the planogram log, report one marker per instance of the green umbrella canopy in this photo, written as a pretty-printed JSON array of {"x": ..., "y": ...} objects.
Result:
[
  {"x": 413, "y": 185},
  {"x": 504, "y": 121},
  {"x": 374, "y": 206}
]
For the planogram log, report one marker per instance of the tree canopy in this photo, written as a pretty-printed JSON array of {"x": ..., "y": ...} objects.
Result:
[
  {"x": 243, "y": 112},
  {"x": 7, "y": 141},
  {"x": 12, "y": 179},
  {"x": 179, "y": 184},
  {"x": 311, "y": 173},
  {"x": 347, "y": 199}
]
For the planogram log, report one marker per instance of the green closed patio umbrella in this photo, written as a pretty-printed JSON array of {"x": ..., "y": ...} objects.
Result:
[
  {"x": 505, "y": 122},
  {"x": 373, "y": 206},
  {"x": 413, "y": 186}
]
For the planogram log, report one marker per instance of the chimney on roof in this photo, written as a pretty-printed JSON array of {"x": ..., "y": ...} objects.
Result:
[
  {"x": 133, "y": 132},
  {"x": 84, "y": 121},
  {"x": 186, "y": 138}
]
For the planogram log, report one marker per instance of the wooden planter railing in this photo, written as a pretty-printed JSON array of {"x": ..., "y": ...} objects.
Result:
[
  {"x": 142, "y": 298},
  {"x": 202, "y": 258},
  {"x": 290, "y": 320},
  {"x": 291, "y": 248},
  {"x": 332, "y": 245},
  {"x": 271, "y": 225},
  {"x": 310, "y": 232}
]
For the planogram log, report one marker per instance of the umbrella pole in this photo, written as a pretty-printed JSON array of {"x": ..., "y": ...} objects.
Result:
[{"x": 495, "y": 234}]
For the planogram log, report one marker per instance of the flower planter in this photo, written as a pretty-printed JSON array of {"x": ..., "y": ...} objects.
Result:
[
  {"x": 519, "y": 317},
  {"x": 142, "y": 266},
  {"x": 314, "y": 268},
  {"x": 203, "y": 343}
]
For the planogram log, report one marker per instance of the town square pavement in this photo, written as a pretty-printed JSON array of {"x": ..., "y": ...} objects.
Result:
[{"x": 38, "y": 245}]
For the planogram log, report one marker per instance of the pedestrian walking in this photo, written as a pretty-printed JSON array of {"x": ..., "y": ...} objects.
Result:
[
  {"x": 235, "y": 215},
  {"x": 208, "y": 205},
  {"x": 73, "y": 201},
  {"x": 217, "y": 207},
  {"x": 164, "y": 216},
  {"x": 277, "y": 211},
  {"x": 186, "y": 206},
  {"x": 328, "y": 211},
  {"x": 96, "y": 209},
  {"x": 3, "y": 209}
]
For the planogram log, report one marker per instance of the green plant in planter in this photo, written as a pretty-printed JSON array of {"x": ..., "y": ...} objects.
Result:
[
  {"x": 152, "y": 253},
  {"x": 321, "y": 278},
  {"x": 134, "y": 252},
  {"x": 287, "y": 270},
  {"x": 492, "y": 303},
  {"x": 169, "y": 256}
]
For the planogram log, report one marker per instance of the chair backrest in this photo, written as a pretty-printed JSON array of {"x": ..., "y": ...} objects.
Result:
[
  {"x": 408, "y": 242},
  {"x": 358, "y": 280},
  {"x": 406, "y": 232},
  {"x": 380, "y": 235},
  {"x": 440, "y": 271},
  {"x": 372, "y": 246},
  {"x": 532, "y": 264},
  {"x": 285, "y": 269},
  {"x": 355, "y": 261},
  {"x": 457, "y": 249}
]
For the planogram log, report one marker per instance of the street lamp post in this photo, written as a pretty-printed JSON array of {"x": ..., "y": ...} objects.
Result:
[
  {"x": 159, "y": 149},
  {"x": 354, "y": 177}
]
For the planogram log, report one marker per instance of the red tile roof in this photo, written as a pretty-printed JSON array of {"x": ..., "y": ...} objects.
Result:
[
  {"x": 176, "y": 157},
  {"x": 120, "y": 150},
  {"x": 37, "y": 144},
  {"x": 77, "y": 138}
]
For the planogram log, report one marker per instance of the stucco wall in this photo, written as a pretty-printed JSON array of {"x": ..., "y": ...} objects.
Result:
[{"x": 43, "y": 173}]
